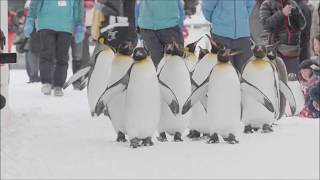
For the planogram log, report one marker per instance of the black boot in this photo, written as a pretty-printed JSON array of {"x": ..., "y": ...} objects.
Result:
[
  {"x": 121, "y": 137},
  {"x": 162, "y": 137},
  {"x": 177, "y": 137},
  {"x": 266, "y": 128},
  {"x": 196, "y": 135},
  {"x": 213, "y": 139},
  {"x": 248, "y": 129},
  {"x": 147, "y": 142},
  {"x": 231, "y": 139},
  {"x": 135, "y": 142}
]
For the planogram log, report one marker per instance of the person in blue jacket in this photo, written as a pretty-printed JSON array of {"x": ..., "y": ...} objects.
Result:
[
  {"x": 56, "y": 20},
  {"x": 160, "y": 23},
  {"x": 230, "y": 26}
]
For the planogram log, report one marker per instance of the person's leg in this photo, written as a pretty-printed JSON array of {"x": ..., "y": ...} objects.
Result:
[
  {"x": 28, "y": 68},
  {"x": 153, "y": 45},
  {"x": 76, "y": 55},
  {"x": 85, "y": 50},
  {"x": 34, "y": 66},
  {"x": 244, "y": 46},
  {"x": 169, "y": 35},
  {"x": 62, "y": 57},
  {"x": 47, "y": 54}
]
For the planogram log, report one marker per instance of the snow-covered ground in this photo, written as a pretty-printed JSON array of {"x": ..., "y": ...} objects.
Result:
[{"x": 51, "y": 137}]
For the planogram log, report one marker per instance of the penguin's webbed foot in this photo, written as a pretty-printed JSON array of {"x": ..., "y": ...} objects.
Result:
[
  {"x": 177, "y": 137},
  {"x": 121, "y": 137},
  {"x": 213, "y": 139},
  {"x": 266, "y": 128},
  {"x": 162, "y": 137},
  {"x": 147, "y": 142},
  {"x": 248, "y": 129},
  {"x": 194, "y": 134},
  {"x": 135, "y": 142},
  {"x": 231, "y": 139},
  {"x": 191, "y": 132},
  {"x": 205, "y": 136}
]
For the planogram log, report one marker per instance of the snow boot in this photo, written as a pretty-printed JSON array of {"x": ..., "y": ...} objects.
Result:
[
  {"x": 46, "y": 89},
  {"x": 147, "y": 142},
  {"x": 162, "y": 137},
  {"x": 57, "y": 91},
  {"x": 135, "y": 142},
  {"x": 231, "y": 139},
  {"x": 121, "y": 137},
  {"x": 177, "y": 137},
  {"x": 266, "y": 128},
  {"x": 213, "y": 139}
]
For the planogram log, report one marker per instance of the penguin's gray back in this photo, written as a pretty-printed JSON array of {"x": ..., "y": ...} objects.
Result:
[{"x": 204, "y": 67}]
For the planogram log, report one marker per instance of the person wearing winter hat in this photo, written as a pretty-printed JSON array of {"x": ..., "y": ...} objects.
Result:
[{"x": 55, "y": 20}]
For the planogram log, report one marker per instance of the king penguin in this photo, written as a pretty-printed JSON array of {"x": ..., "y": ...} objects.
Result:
[
  {"x": 223, "y": 86},
  {"x": 260, "y": 72},
  {"x": 142, "y": 100},
  {"x": 176, "y": 75}
]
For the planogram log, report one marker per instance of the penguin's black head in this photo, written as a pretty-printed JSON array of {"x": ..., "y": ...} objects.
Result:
[
  {"x": 259, "y": 51},
  {"x": 168, "y": 49},
  {"x": 202, "y": 53},
  {"x": 225, "y": 54},
  {"x": 192, "y": 46},
  {"x": 126, "y": 48},
  {"x": 177, "y": 50},
  {"x": 140, "y": 53},
  {"x": 272, "y": 54}
]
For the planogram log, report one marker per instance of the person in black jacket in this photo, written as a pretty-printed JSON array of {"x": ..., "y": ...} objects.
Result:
[
  {"x": 285, "y": 21},
  {"x": 305, "y": 34},
  {"x": 119, "y": 21}
]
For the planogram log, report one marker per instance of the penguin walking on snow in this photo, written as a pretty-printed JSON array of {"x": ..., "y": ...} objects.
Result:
[
  {"x": 176, "y": 75},
  {"x": 223, "y": 86},
  {"x": 120, "y": 65},
  {"x": 142, "y": 101},
  {"x": 263, "y": 74}
]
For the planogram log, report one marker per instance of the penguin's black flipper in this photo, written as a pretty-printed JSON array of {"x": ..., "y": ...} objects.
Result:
[
  {"x": 258, "y": 95},
  {"x": 78, "y": 75},
  {"x": 286, "y": 91},
  {"x": 169, "y": 97},
  {"x": 197, "y": 95},
  {"x": 83, "y": 84},
  {"x": 116, "y": 88}
]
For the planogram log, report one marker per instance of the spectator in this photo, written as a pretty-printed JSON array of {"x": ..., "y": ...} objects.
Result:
[
  {"x": 116, "y": 22},
  {"x": 315, "y": 27},
  {"x": 55, "y": 22},
  {"x": 159, "y": 25},
  {"x": 305, "y": 33},
  {"x": 309, "y": 78},
  {"x": 285, "y": 20},
  {"x": 230, "y": 26}
]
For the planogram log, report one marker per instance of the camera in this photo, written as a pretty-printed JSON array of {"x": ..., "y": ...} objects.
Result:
[{"x": 6, "y": 58}]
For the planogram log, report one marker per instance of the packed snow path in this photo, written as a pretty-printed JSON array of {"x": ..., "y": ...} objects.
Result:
[{"x": 55, "y": 137}]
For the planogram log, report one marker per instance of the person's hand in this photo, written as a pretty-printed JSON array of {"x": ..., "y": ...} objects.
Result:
[
  {"x": 287, "y": 10},
  {"x": 28, "y": 27},
  {"x": 79, "y": 35}
]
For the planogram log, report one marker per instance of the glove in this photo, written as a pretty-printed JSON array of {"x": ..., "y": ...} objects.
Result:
[
  {"x": 28, "y": 27},
  {"x": 79, "y": 36}
]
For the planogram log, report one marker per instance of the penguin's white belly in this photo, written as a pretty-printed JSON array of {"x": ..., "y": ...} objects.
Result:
[
  {"x": 255, "y": 113},
  {"x": 99, "y": 78},
  {"x": 298, "y": 96},
  {"x": 176, "y": 75},
  {"x": 198, "y": 120},
  {"x": 224, "y": 101},
  {"x": 203, "y": 68},
  {"x": 116, "y": 109},
  {"x": 143, "y": 102}
]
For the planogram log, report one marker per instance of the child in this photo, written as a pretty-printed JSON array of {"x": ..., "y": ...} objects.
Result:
[
  {"x": 309, "y": 79},
  {"x": 316, "y": 47}
]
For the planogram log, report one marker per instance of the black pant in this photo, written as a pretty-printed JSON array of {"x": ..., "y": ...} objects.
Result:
[
  {"x": 241, "y": 44},
  {"x": 54, "y": 56},
  {"x": 155, "y": 41},
  {"x": 292, "y": 64}
]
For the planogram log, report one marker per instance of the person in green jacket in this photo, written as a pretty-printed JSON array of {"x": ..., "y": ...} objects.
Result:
[
  {"x": 56, "y": 20},
  {"x": 159, "y": 22}
]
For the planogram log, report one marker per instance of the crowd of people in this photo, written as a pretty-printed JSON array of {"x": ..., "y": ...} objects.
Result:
[{"x": 50, "y": 28}]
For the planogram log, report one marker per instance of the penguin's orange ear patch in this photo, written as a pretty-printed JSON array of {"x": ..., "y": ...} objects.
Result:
[{"x": 101, "y": 40}]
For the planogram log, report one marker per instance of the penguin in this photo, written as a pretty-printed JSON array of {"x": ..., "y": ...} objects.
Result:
[
  {"x": 120, "y": 64},
  {"x": 142, "y": 101},
  {"x": 191, "y": 57},
  {"x": 176, "y": 75},
  {"x": 223, "y": 86},
  {"x": 262, "y": 73},
  {"x": 96, "y": 76},
  {"x": 198, "y": 123}
]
